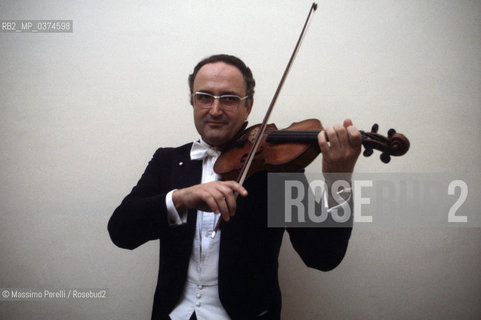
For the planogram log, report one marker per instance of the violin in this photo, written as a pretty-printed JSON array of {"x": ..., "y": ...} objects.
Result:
[{"x": 295, "y": 147}]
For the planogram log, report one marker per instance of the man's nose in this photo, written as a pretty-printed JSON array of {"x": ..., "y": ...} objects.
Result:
[{"x": 215, "y": 109}]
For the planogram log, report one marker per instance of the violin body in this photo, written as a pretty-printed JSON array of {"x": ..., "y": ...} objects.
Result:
[{"x": 271, "y": 156}]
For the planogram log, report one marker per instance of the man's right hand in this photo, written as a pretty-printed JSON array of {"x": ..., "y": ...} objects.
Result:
[{"x": 215, "y": 196}]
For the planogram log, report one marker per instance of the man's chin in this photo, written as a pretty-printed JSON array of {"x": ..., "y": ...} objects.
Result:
[{"x": 214, "y": 140}]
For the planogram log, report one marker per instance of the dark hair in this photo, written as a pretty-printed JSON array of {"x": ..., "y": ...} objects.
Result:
[{"x": 236, "y": 62}]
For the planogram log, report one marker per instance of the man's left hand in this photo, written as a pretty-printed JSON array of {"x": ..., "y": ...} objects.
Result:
[{"x": 341, "y": 152}]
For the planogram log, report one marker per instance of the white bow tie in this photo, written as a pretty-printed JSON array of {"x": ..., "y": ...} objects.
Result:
[{"x": 201, "y": 150}]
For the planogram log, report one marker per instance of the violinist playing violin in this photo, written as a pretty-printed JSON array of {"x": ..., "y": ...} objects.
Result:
[{"x": 179, "y": 200}]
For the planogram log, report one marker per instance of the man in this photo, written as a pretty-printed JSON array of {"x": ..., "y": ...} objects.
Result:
[{"x": 179, "y": 199}]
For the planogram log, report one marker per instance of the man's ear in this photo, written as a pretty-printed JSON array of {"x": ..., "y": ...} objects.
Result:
[{"x": 249, "y": 106}]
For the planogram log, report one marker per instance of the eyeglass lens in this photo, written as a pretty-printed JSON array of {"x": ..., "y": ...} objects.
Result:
[{"x": 205, "y": 100}]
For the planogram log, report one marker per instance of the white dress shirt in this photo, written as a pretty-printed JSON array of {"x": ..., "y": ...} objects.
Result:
[{"x": 201, "y": 291}]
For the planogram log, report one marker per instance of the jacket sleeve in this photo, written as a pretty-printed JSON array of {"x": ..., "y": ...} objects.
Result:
[
  {"x": 324, "y": 246},
  {"x": 142, "y": 215},
  {"x": 320, "y": 248}
]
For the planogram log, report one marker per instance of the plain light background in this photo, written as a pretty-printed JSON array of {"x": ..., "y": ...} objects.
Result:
[{"x": 82, "y": 113}]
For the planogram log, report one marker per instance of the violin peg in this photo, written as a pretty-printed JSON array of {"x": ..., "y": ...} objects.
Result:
[
  {"x": 367, "y": 152},
  {"x": 391, "y": 132},
  {"x": 385, "y": 157},
  {"x": 375, "y": 128}
]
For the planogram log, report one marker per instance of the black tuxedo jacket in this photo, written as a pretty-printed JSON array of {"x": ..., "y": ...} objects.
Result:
[{"x": 248, "y": 261}]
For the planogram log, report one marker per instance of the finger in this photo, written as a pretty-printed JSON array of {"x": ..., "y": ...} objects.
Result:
[
  {"x": 236, "y": 187},
  {"x": 322, "y": 141},
  {"x": 332, "y": 136},
  {"x": 355, "y": 138},
  {"x": 230, "y": 195},
  {"x": 211, "y": 204},
  {"x": 231, "y": 204},
  {"x": 226, "y": 199},
  {"x": 216, "y": 199},
  {"x": 342, "y": 135},
  {"x": 224, "y": 209},
  {"x": 347, "y": 123}
]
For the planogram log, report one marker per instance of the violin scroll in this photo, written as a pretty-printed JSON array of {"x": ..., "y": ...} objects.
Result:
[{"x": 395, "y": 144}]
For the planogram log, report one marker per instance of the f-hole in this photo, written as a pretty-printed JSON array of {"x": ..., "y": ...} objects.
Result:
[{"x": 258, "y": 152}]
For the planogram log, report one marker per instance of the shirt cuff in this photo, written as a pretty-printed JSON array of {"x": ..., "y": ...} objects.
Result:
[
  {"x": 173, "y": 217},
  {"x": 326, "y": 203}
]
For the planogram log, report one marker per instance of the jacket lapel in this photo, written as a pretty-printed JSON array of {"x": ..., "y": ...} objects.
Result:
[{"x": 185, "y": 173}]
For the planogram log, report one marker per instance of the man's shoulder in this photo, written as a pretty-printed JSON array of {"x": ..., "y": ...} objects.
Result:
[{"x": 169, "y": 151}]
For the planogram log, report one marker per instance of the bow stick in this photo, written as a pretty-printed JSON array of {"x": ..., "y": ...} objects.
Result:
[{"x": 252, "y": 152}]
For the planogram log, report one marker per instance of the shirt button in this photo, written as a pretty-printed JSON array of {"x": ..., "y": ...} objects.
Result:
[
  {"x": 199, "y": 286},
  {"x": 198, "y": 295},
  {"x": 197, "y": 304}
]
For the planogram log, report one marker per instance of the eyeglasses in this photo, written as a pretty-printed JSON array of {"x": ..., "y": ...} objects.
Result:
[{"x": 228, "y": 102}]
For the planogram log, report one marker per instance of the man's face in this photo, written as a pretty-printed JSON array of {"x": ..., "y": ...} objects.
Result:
[{"x": 217, "y": 126}]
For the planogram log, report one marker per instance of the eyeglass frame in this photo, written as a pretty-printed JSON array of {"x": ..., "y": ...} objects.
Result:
[{"x": 223, "y": 107}]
